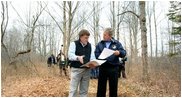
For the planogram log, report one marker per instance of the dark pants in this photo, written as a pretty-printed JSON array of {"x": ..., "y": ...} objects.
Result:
[
  {"x": 62, "y": 67},
  {"x": 94, "y": 73},
  {"x": 105, "y": 74},
  {"x": 50, "y": 64}
]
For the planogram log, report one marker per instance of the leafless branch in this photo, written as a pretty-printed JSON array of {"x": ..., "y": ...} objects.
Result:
[
  {"x": 57, "y": 23},
  {"x": 33, "y": 30},
  {"x": 130, "y": 12},
  {"x": 4, "y": 25},
  {"x": 19, "y": 16},
  {"x": 22, "y": 52}
]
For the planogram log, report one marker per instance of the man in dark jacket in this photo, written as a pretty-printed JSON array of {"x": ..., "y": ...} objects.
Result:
[
  {"x": 122, "y": 68},
  {"x": 51, "y": 60},
  {"x": 109, "y": 70},
  {"x": 51, "y": 68}
]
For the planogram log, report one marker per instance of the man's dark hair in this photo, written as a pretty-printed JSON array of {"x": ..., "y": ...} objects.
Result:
[{"x": 84, "y": 32}]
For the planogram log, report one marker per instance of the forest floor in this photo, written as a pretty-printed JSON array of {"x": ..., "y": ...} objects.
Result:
[
  {"x": 53, "y": 87},
  {"x": 58, "y": 86}
]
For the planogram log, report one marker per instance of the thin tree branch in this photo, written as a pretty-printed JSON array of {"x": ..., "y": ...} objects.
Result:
[
  {"x": 54, "y": 20},
  {"x": 19, "y": 15},
  {"x": 32, "y": 31},
  {"x": 130, "y": 12},
  {"x": 4, "y": 26},
  {"x": 22, "y": 52},
  {"x": 77, "y": 4}
]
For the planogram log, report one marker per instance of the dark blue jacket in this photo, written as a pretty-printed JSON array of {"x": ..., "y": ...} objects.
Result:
[
  {"x": 115, "y": 45},
  {"x": 51, "y": 60}
]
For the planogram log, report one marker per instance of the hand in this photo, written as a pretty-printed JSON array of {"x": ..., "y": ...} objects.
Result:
[
  {"x": 91, "y": 66},
  {"x": 80, "y": 58},
  {"x": 116, "y": 53}
]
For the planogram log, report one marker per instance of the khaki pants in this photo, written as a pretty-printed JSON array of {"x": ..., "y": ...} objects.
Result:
[{"x": 79, "y": 78}]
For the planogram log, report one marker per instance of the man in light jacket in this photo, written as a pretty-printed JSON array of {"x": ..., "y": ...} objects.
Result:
[{"x": 80, "y": 52}]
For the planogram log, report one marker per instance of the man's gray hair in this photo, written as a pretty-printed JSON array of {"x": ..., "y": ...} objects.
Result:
[{"x": 109, "y": 31}]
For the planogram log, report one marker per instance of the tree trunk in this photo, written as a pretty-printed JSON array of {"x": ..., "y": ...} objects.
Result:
[
  {"x": 169, "y": 38},
  {"x": 4, "y": 24},
  {"x": 155, "y": 25},
  {"x": 135, "y": 33},
  {"x": 131, "y": 43},
  {"x": 143, "y": 39},
  {"x": 96, "y": 21},
  {"x": 162, "y": 44},
  {"x": 64, "y": 28},
  {"x": 149, "y": 14},
  {"x": 71, "y": 14},
  {"x": 118, "y": 22},
  {"x": 112, "y": 18}
]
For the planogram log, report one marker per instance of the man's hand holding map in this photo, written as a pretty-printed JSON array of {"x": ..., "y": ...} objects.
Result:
[{"x": 94, "y": 63}]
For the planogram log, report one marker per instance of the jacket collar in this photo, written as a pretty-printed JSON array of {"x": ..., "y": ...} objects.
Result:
[{"x": 112, "y": 40}]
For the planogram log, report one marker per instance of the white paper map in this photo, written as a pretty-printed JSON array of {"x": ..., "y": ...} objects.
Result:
[
  {"x": 106, "y": 53},
  {"x": 94, "y": 62}
]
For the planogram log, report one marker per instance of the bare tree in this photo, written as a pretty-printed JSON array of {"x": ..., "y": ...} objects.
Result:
[
  {"x": 71, "y": 13},
  {"x": 96, "y": 11},
  {"x": 134, "y": 27},
  {"x": 32, "y": 28},
  {"x": 66, "y": 30},
  {"x": 120, "y": 18},
  {"x": 113, "y": 25},
  {"x": 155, "y": 25},
  {"x": 149, "y": 14},
  {"x": 118, "y": 21},
  {"x": 143, "y": 28},
  {"x": 4, "y": 24},
  {"x": 64, "y": 26},
  {"x": 112, "y": 17},
  {"x": 162, "y": 43},
  {"x": 143, "y": 39},
  {"x": 132, "y": 22}
]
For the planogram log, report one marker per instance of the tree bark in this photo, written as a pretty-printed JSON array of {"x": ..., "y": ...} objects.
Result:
[
  {"x": 150, "y": 28},
  {"x": 155, "y": 25},
  {"x": 70, "y": 20},
  {"x": 96, "y": 21},
  {"x": 4, "y": 24},
  {"x": 143, "y": 39},
  {"x": 64, "y": 27}
]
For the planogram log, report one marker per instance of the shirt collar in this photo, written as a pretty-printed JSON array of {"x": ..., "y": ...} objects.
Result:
[{"x": 83, "y": 44}]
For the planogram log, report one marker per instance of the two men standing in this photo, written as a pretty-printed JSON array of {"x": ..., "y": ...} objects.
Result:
[{"x": 81, "y": 52}]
